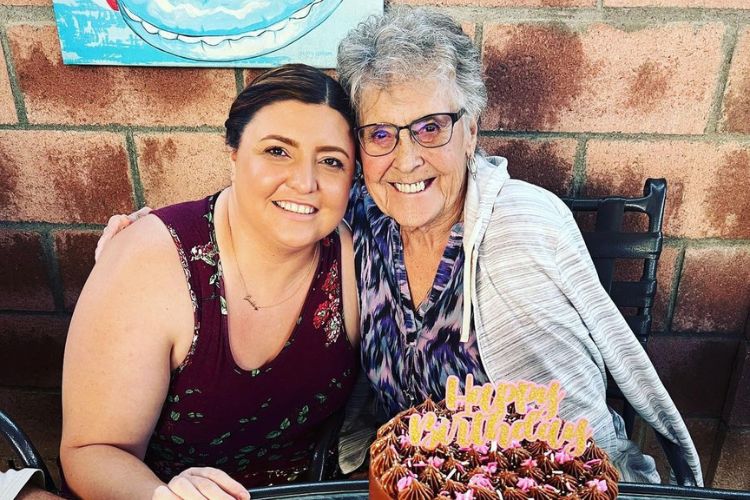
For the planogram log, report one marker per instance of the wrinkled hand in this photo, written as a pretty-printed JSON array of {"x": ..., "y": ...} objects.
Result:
[
  {"x": 201, "y": 483},
  {"x": 116, "y": 224}
]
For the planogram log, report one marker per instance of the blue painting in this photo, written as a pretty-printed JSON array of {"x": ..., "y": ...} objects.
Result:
[{"x": 222, "y": 33}]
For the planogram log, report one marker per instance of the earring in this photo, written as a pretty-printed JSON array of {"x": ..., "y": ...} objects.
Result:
[{"x": 471, "y": 165}]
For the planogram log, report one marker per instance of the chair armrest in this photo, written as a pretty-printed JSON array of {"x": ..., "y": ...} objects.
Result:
[{"x": 23, "y": 447}]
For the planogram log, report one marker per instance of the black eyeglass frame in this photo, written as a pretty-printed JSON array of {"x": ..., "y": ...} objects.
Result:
[{"x": 453, "y": 116}]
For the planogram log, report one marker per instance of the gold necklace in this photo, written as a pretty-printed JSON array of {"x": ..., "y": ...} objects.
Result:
[{"x": 248, "y": 297}]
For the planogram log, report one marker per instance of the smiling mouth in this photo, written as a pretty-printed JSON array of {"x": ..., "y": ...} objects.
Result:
[
  {"x": 295, "y": 207},
  {"x": 414, "y": 187}
]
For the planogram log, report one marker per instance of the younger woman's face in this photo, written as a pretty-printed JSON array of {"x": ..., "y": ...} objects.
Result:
[{"x": 293, "y": 170}]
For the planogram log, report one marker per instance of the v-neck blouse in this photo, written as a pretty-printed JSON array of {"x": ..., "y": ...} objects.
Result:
[{"x": 407, "y": 352}]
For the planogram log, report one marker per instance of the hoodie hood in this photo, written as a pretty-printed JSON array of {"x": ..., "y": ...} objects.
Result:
[{"x": 484, "y": 186}]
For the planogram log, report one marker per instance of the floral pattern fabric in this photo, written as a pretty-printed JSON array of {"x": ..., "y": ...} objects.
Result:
[{"x": 257, "y": 425}]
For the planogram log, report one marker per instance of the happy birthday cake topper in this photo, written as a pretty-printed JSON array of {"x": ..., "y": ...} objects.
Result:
[{"x": 480, "y": 417}]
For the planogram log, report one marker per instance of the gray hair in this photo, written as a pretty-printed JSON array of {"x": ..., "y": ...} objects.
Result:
[{"x": 407, "y": 44}]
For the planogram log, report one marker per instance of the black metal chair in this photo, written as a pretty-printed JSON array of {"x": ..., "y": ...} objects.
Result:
[
  {"x": 607, "y": 243},
  {"x": 323, "y": 466},
  {"x": 22, "y": 446}
]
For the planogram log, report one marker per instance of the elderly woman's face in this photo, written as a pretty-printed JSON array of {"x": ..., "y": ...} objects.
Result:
[{"x": 421, "y": 188}]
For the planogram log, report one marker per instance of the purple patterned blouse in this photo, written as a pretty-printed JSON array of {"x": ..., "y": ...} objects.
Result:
[{"x": 407, "y": 353}]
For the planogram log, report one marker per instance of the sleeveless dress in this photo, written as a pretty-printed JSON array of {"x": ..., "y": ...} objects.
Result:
[{"x": 258, "y": 425}]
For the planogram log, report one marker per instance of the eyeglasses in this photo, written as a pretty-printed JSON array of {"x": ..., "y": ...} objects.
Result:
[{"x": 431, "y": 131}]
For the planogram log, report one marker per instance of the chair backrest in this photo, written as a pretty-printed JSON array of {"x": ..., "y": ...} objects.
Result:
[{"x": 608, "y": 243}]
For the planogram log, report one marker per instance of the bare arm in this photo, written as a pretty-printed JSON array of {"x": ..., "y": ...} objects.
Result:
[
  {"x": 133, "y": 323},
  {"x": 128, "y": 320}
]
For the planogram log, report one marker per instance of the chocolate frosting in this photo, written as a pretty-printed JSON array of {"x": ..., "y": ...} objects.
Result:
[{"x": 416, "y": 491}]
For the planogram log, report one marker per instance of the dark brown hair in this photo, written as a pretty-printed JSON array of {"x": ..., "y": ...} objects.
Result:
[{"x": 290, "y": 82}]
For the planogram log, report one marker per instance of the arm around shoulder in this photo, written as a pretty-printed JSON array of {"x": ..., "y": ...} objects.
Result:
[{"x": 349, "y": 285}]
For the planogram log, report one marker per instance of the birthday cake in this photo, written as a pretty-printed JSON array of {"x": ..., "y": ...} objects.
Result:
[{"x": 496, "y": 443}]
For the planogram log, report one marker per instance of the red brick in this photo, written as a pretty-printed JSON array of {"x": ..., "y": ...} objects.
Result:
[
  {"x": 182, "y": 166},
  {"x": 707, "y": 182},
  {"x": 500, "y": 3},
  {"x": 75, "y": 254},
  {"x": 695, "y": 371},
  {"x": 737, "y": 409},
  {"x": 736, "y": 116},
  {"x": 24, "y": 283},
  {"x": 7, "y": 106},
  {"x": 601, "y": 78},
  {"x": 39, "y": 414},
  {"x": 548, "y": 164},
  {"x": 63, "y": 176},
  {"x": 252, "y": 74},
  {"x": 56, "y": 93},
  {"x": 714, "y": 291},
  {"x": 32, "y": 352},
  {"x": 733, "y": 470},
  {"x": 709, "y": 4},
  {"x": 665, "y": 274},
  {"x": 704, "y": 432}
]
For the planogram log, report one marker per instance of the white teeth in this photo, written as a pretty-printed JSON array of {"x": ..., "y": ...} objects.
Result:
[
  {"x": 294, "y": 207},
  {"x": 410, "y": 188}
]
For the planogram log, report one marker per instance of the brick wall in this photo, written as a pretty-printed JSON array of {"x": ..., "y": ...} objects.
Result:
[{"x": 587, "y": 97}]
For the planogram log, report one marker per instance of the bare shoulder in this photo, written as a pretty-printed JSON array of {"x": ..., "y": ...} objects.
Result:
[
  {"x": 139, "y": 270},
  {"x": 147, "y": 237}
]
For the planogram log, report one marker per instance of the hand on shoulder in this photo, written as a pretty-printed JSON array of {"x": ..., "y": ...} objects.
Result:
[{"x": 116, "y": 224}]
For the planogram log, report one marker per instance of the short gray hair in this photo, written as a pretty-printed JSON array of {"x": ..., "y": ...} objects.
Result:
[{"x": 406, "y": 44}]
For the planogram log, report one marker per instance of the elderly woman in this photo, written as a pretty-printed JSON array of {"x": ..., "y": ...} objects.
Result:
[{"x": 464, "y": 270}]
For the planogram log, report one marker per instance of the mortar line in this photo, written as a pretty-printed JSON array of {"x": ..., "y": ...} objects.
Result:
[
  {"x": 27, "y": 13},
  {"x": 40, "y": 226},
  {"x": 729, "y": 46},
  {"x": 239, "y": 79},
  {"x": 51, "y": 258},
  {"x": 676, "y": 280},
  {"x": 41, "y": 314},
  {"x": 138, "y": 195},
  {"x": 623, "y": 16},
  {"x": 15, "y": 87},
  {"x": 620, "y": 136},
  {"x": 120, "y": 129},
  {"x": 579, "y": 167}
]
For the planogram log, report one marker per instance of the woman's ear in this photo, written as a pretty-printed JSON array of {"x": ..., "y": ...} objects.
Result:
[
  {"x": 473, "y": 135},
  {"x": 233, "y": 161}
]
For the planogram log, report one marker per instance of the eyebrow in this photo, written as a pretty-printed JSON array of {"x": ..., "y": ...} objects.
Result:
[
  {"x": 334, "y": 149},
  {"x": 295, "y": 144},
  {"x": 406, "y": 125},
  {"x": 285, "y": 140}
]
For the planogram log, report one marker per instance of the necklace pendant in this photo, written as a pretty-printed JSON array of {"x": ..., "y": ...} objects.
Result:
[{"x": 250, "y": 301}]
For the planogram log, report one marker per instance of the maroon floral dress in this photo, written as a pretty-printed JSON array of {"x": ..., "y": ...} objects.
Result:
[{"x": 259, "y": 425}]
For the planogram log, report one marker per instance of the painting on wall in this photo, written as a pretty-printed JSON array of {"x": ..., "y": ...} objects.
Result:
[{"x": 222, "y": 33}]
